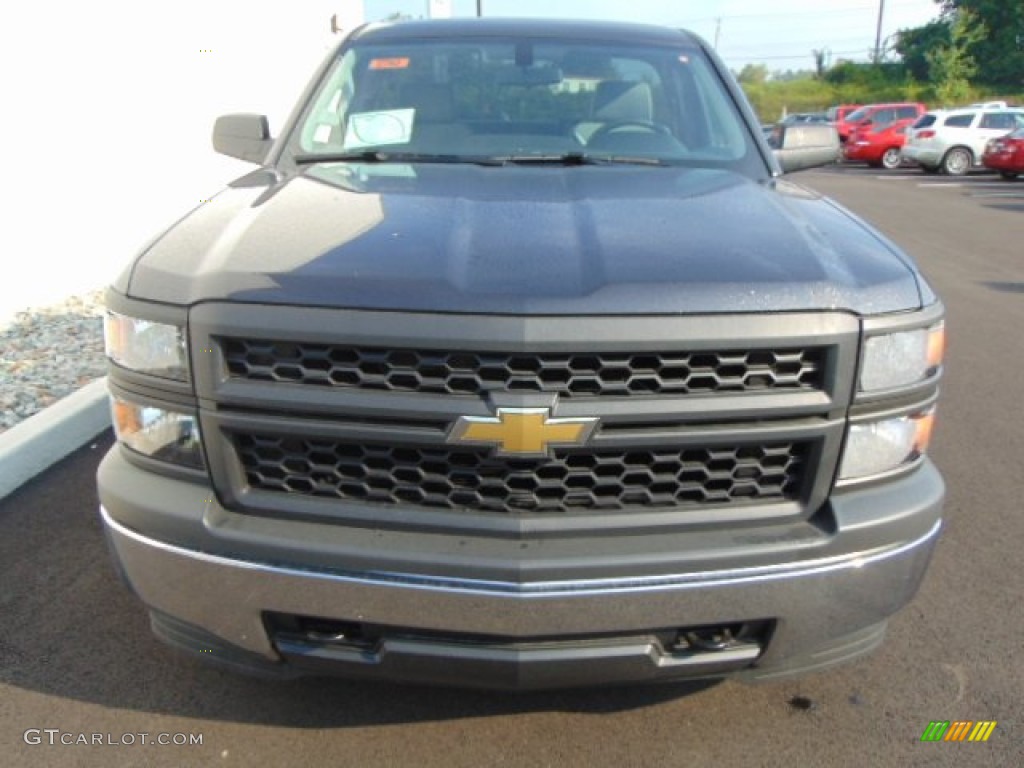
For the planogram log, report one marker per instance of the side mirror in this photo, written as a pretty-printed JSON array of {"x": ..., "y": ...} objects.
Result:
[
  {"x": 808, "y": 145},
  {"x": 245, "y": 136}
]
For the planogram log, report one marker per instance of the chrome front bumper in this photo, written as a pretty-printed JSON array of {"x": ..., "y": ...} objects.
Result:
[{"x": 824, "y": 611}]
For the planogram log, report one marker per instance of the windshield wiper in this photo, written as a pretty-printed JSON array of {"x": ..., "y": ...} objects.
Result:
[
  {"x": 576, "y": 158},
  {"x": 565, "y": 158},
  {"x": 377, "y": 156}
]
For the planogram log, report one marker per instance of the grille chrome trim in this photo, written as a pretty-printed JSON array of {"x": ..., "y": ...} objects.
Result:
[{"x": 541, "y": 589}]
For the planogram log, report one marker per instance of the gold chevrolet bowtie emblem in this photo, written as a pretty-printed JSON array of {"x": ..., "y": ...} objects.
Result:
[{"x": 522, "y": 431}]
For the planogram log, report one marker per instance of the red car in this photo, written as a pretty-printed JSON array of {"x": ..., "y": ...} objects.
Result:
[
  {"x": 877, "y": 145},
  {"x": 879, "y": 114},
  {"x": 838, "y": 115},
  {"x": 1006, "y": 154}
]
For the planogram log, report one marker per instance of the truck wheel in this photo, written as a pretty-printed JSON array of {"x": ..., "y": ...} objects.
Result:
[
  {"x": 957, "y": 161},
  {"x": 891, "y": 159}
]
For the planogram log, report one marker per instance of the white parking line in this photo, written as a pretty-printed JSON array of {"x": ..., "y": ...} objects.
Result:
[{"x": 972, "y": 184}]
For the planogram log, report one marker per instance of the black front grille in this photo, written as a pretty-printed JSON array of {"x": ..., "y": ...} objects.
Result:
[
  {"x": 576, "y": 480},
  {"x": 568, "y": 375}
]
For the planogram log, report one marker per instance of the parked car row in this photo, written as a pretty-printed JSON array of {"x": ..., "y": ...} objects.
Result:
[
  {"x": 796, "y": 118},
  {"x": 950, "y": 141},
  {"x": 871, "y": 133}
]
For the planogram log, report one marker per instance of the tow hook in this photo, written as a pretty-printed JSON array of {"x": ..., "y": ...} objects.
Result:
[{"x": 710, "y": 639}]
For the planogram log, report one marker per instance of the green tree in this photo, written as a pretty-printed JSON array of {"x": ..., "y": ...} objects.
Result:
[
  {"x": 952, "y": 66},
  {"x": 753, "y": 74},
  {"x": 790, "y": 75},
  {"x": 1001, "y": 49},
  {"x": 869, "y": 75},
  {"x": 913, "y": 45}
]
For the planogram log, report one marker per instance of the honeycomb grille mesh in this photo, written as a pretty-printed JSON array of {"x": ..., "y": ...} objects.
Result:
[
  {"x": 569, "y": 481},
  {"x": 568, "y": 375}
]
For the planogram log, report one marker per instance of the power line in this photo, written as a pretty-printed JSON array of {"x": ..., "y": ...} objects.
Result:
[
  {"x": 844, "y": 41},
  {"x": 791, "y": 58},
  {"x": 783, "y": 18}
]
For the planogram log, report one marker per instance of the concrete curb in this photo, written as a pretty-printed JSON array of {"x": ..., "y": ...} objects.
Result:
[{"x": 41, "y": 440}]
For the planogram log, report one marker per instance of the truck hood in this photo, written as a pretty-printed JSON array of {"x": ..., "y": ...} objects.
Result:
[{"x": 525, "y": 240}]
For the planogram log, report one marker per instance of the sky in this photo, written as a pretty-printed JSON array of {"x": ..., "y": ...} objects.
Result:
[{"x": 780, "y": 34}]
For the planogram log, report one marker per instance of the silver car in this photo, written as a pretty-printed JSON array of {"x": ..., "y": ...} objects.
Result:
[{"x": 953, "y": 140}]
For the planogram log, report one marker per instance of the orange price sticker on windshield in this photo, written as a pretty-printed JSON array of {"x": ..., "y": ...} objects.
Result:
[{"x": 393, "y": 63}]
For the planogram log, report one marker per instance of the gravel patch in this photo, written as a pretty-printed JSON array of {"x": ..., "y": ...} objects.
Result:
[{"x": 47, "y": 353}]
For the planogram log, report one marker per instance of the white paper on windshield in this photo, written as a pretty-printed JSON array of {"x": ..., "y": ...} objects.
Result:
[
  {"x": 371, "y": 129},
  {"x": 322, "y": 134},
  {"x": 389, "y": 171}
]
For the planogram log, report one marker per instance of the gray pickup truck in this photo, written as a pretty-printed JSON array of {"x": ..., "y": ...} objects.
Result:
[{"x": 518, "y": 362}]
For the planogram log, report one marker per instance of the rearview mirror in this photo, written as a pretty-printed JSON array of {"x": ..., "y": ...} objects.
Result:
[
  {"x": 529, "y": 76},
  {"x": 807, "y": 145},
  {"x": 245, "y": 136}
]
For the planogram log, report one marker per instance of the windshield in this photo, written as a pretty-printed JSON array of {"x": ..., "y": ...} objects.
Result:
[
  {"x": 520, "y": 99},
  {"x": 858, "y": 114}
]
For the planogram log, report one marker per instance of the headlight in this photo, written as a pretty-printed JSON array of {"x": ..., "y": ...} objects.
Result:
[
  {"x": 158, "y": 433},
  {"x": 147, "y": 347},
  {"x": 899, "y": 359},
  {"x": 877, "y": 447}
]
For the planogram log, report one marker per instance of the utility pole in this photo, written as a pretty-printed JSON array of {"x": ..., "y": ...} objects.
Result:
[
  {"x": 878, "y": 32},
  {"x": 479, "y": 8},
  {"x": 718, "y": 30}
]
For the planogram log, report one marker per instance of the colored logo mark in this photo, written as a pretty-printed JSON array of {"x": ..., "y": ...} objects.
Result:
[{"x": 958, "y": 730}]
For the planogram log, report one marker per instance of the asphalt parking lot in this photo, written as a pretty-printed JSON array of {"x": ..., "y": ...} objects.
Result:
[
  {"x": 76, "y": 653},
  {"x": 981, "y": 186}
]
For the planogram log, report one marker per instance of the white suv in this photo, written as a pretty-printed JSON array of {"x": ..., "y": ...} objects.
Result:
[{"x": 953, "y": 140}]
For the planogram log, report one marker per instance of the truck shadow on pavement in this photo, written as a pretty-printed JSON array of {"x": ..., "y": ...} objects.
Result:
[
  {"x": 1004, "y": 287},
  {"x": 72, "y": 630},
  {"x": 1011, "y": 207}
]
